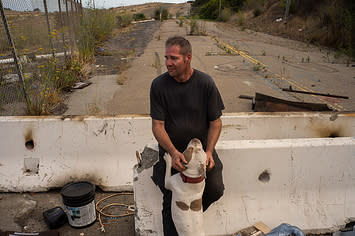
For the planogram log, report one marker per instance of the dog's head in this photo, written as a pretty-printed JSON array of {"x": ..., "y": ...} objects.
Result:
[{"x": 196, "y": 159}]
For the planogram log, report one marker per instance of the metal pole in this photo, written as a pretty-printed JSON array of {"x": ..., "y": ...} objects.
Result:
[
  {"x": 14, "y": 54},
  {"x": 219, "y": 9},
  {"x": 74, "y": 23},
  {"x": 62, "y": 26},
  {"x": 70, "y": 28},
  {"x": 287, "y": 10},
  {"x": 49, "y": 28}
]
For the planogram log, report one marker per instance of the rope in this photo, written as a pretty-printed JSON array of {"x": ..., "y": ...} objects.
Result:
[{"x": 127, "y": 212}]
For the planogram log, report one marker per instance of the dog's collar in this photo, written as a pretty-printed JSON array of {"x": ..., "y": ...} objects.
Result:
[{"x": 190, "y": 180}]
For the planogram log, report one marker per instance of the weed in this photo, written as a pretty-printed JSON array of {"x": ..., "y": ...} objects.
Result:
[
  {"x": 263, "y": 53},
  {"x": 226, "y": 14},
  {"x": 121, "y": 78},
  {"x": 96, "y": 26},
  {"x": 197, "y": 28},
  {"x": 241, "y": 19},
  {"x": 181, "y": 21},
  {"x": 44, "y": 88},
  {"x": 124, "y": 19},
  {"x": 93, "y": 109},
  {"x": 308, "y": 59},
  {"x": 256, "y": 67}
]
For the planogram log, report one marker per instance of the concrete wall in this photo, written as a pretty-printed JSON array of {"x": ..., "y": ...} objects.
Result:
[{"x": 38, "y": 153}]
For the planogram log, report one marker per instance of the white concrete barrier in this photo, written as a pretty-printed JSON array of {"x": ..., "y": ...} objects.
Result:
[{"x": 39, "y": 153}]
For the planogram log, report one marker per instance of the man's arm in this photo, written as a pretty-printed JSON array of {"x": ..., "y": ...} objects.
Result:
[
  {"x": 214, "y": 131},
  {"x": 160, "y": 134}
]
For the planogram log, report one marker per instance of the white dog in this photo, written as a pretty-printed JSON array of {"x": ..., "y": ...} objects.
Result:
[{"x": 187, "y": 189}]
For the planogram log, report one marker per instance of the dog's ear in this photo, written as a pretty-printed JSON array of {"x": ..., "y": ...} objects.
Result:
[
  {"x": 188, "y": 154},
  {"x": 202, "y": 170}
]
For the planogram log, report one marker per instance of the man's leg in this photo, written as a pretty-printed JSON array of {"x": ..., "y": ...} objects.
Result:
[
  {"x": 159, "y": 179},
  {"x": 214, "y": 183}
]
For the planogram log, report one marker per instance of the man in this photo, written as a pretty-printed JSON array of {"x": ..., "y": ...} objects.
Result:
[{"x": 184, "y": 104}]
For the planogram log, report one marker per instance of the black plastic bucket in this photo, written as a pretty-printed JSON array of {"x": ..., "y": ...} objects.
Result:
[{"x": 79, "y": 202}]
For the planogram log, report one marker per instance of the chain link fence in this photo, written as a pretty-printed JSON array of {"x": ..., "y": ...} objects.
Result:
[{"x": 36, "y": 36}]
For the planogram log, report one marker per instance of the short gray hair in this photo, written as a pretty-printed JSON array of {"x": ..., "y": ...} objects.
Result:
[{"x": 185, "y": 46}]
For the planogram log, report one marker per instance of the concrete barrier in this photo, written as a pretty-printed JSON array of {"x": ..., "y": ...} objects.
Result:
[
  {"x": 278, "y": 167},
  {"x": 39, "y": 153}
]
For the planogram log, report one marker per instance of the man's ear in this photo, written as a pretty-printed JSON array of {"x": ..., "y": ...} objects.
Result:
[{"x": 189, "y": 57}]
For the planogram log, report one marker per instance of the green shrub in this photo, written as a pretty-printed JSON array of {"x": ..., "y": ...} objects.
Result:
[
  {"x": 164, "y": 14},
  {"x": 226, "y": 14},
  {"x": 210, "y": 10},
  {"x": 257, "y": 12},
  {"x": 139, "y": 16},
  {"x": 241, "y": 19},
  {"x": 124, "y": 19}
]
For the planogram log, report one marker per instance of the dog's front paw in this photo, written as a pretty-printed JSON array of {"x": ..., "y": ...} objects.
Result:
[{"x": 167, "y": 158}]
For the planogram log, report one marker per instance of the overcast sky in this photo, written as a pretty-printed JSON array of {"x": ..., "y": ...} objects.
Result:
[
  {"x": 118, "y": 3},
  {"x": 30, "y": 5}
]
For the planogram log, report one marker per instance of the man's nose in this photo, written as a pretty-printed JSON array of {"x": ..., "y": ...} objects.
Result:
[{"x": 168, "y": 62}]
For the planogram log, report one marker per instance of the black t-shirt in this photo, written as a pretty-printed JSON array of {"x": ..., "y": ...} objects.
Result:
[{"x": 186, "y": 108}]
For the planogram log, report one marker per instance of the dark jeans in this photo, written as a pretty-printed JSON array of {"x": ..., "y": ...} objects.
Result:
[{"x": 213, "y": 190}]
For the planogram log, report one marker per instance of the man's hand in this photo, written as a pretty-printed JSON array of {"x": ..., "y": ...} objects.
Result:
[
  {"x": 209, "y": 161},
  {"x": 178, "y": 161}
]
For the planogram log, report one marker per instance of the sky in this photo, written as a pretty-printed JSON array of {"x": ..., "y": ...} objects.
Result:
[
  {"x": 29, "y": 5},
  {"x": 119, "y": 3}
]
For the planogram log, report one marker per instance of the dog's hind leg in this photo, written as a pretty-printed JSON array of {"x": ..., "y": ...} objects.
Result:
[{"x": 168, "y": 162}]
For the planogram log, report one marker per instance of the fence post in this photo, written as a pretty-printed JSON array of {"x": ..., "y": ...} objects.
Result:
[
  {"x": 70, "y": 28},
  {"x": 14, "y": 54},
  {"x": 49, "y": 28},
  {"x": 74, "y": 23},
  {"x": 62, "y": 27}
]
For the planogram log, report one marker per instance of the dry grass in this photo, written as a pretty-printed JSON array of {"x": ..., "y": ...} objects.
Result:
[{"x": 121, "y": 78}]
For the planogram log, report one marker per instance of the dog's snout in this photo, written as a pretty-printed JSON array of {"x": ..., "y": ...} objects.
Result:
[{"x": 195, "y": 141}]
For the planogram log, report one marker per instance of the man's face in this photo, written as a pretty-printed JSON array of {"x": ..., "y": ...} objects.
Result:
[{"x": 176, "y": 63}]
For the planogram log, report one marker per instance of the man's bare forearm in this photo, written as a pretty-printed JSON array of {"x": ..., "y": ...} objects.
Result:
[
  {"x": 213, "y": 134},
  {"x": 162, "y": 136}
]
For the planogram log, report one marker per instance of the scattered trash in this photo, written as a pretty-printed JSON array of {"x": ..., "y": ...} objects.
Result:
[
  {"x": 314, "y": 93},
  {"x": 345, "y": 233},
  {"x": 285, "y": 230},
  {"x": 300, "y": 30},
  {"x": 265, "y": 103},
  {"x": 25, "y": 206},
  {"x": 122, "y": 211},
  {"x": 80, "y": 85},
  {"x": 279, "y": 19},
  {"x": 55, "y": 217},
  {"x": 79, "y": 201},
  {"x": 258, "y": 229},
  {"x": 44, "y": 233}
]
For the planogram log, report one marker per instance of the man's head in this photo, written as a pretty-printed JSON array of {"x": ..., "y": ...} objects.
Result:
[
  {"x": 178, "y": 58},
  {"x": 184, "y": 44}
]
